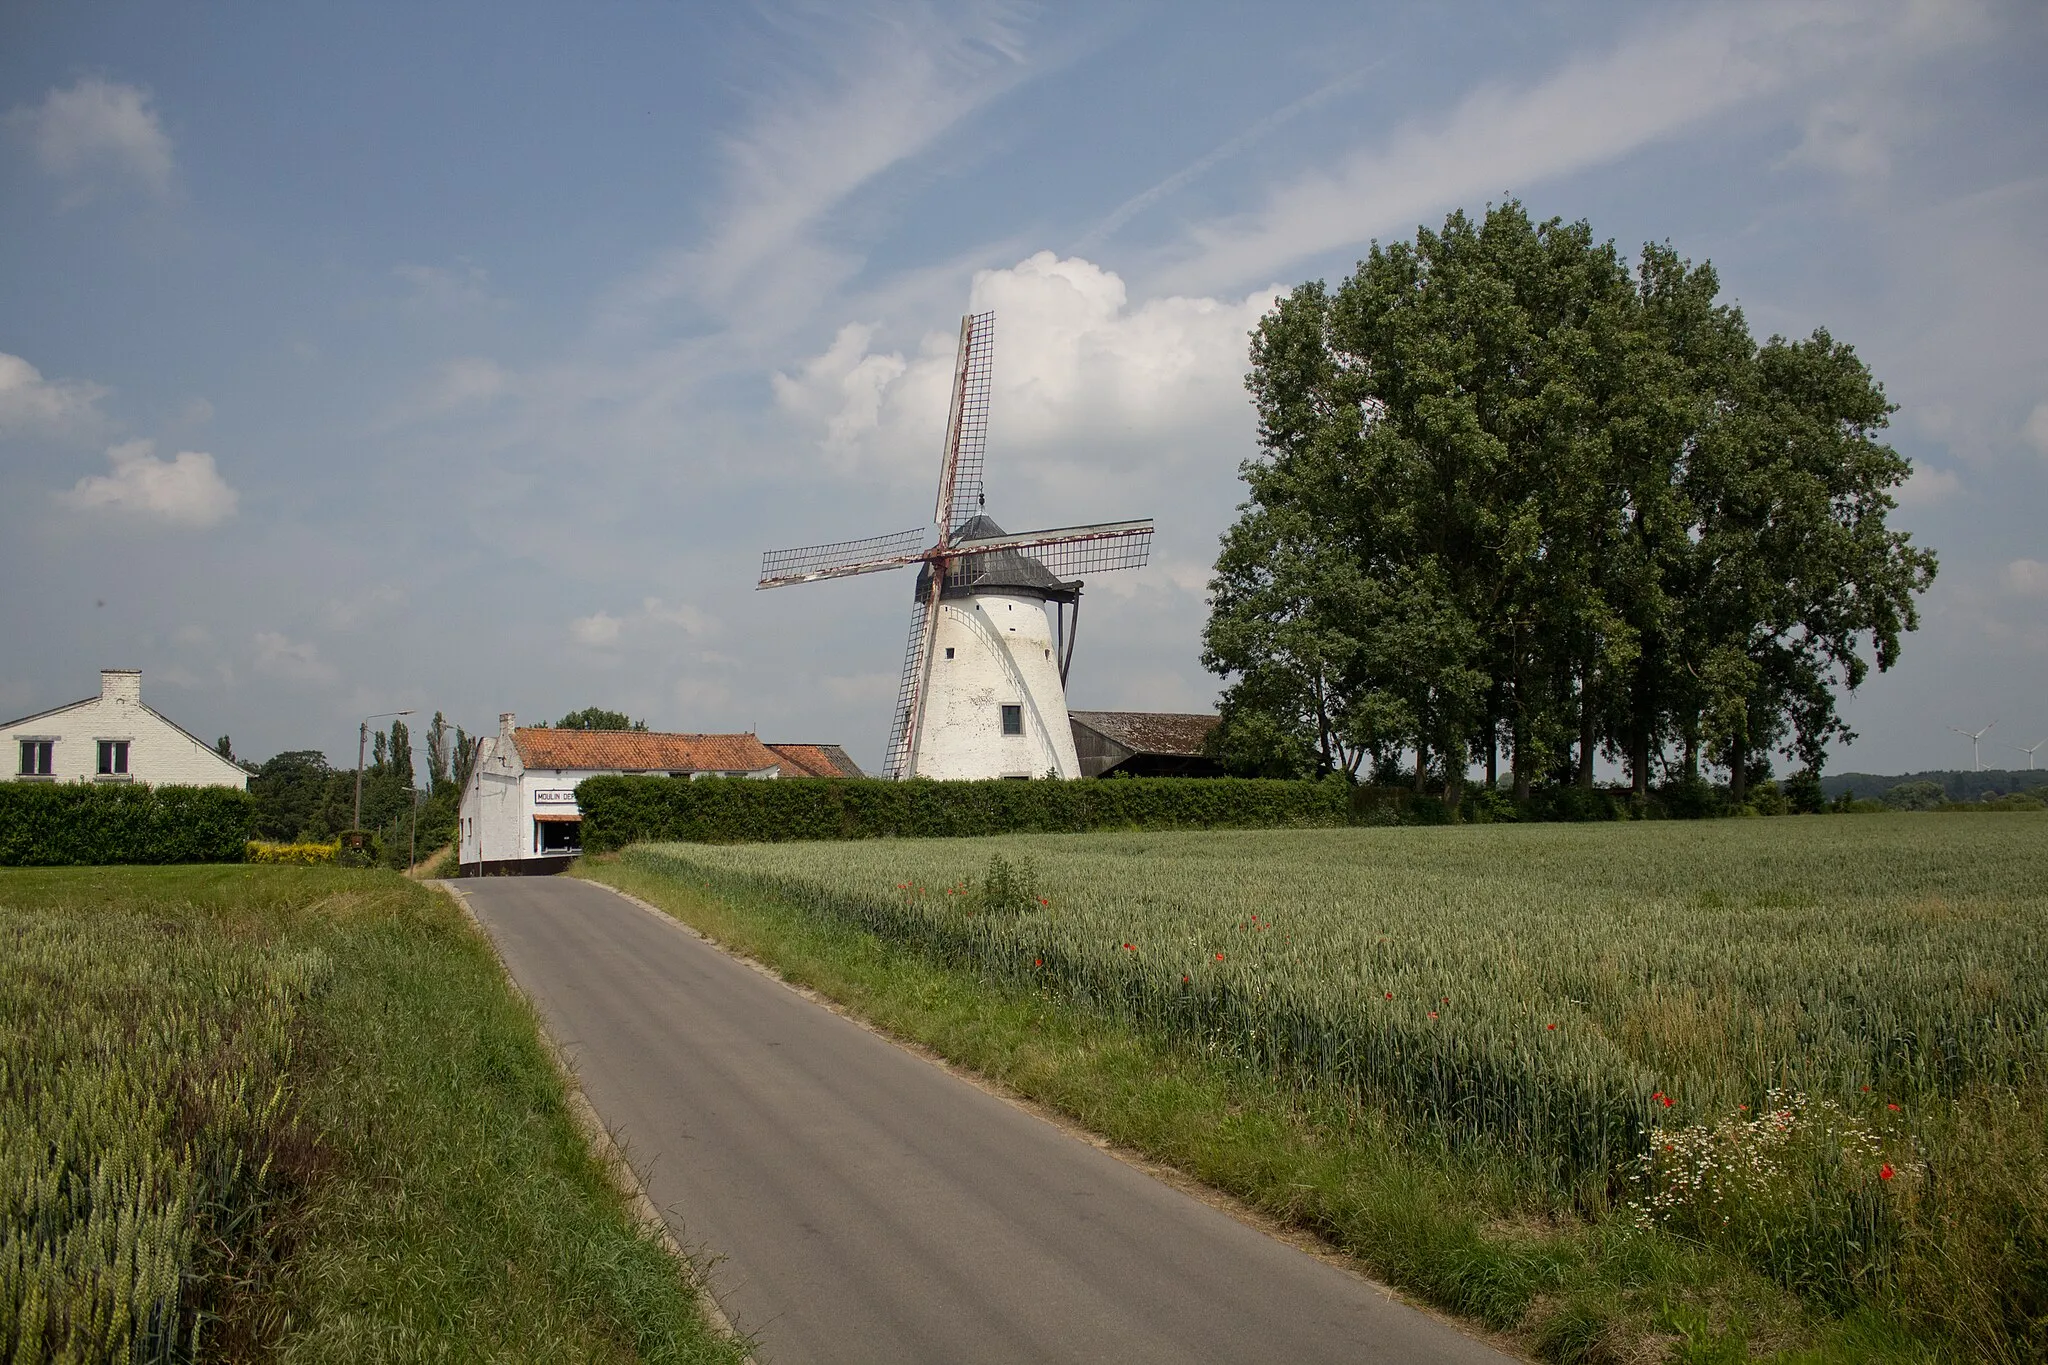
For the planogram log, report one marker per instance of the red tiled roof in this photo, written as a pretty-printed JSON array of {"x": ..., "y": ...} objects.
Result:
[
  {"x": 816, "y": 760},
  {"x": 1151, "y": 732},
  {"x": 641, "y": 751}
]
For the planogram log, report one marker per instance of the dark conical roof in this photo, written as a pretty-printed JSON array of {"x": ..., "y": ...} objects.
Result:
[{"x": 994, "y": 571}]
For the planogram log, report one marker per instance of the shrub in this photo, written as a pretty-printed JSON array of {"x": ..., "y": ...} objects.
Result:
[
  {"x": 623, "y": 810},
  {"x": 294, "y": 855},
  {"x": 84, "y": 825}
]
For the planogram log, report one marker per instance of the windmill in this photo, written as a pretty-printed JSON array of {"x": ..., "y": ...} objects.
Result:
[
  {"x": 2030, "y": 752},
  {"x": 1975, "y": 737},
  {"x": 984, "y": 677}
]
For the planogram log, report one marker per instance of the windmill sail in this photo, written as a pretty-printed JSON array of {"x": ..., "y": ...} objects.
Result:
[
  {"x": 1065, "y": 552},
  {"x": 840, "y": 559},
  {"x": 960, "y": 468},
  {"x": 910, "y": 691}
]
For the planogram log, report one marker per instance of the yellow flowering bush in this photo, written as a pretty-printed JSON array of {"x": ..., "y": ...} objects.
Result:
[{"x": 294, "y": 855}]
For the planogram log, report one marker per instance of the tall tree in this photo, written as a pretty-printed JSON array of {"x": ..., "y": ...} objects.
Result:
[
  {"x": 1511, "y": 490},
  {"x": 437, "y": 753}
]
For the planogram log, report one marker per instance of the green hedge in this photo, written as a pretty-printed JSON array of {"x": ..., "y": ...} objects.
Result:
[
  {"x": 45, "y": 824},
  {"x": 731, "y": 810}
]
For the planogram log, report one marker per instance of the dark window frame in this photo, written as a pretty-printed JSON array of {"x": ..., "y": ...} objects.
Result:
[
  {"x": 113, "y": 758},
  {"x": 1013, "y": 718},
  {"x": 43, "y": 763}
]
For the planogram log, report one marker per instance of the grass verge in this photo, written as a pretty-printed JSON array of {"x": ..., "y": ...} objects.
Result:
[
  {"x": 387, "y": 1170},
  {"x": 1449, "y": 1227}
]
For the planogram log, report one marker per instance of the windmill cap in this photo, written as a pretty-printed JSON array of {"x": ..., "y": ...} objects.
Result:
[{"x": 1009, "y": 571}]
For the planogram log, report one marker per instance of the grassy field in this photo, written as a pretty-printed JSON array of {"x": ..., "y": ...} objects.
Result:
[
  {"x": 1768, "y": 1084},
  {"x": 259, "y": 1113}
]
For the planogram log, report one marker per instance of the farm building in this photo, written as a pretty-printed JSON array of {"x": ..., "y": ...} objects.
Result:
[
  {"x": 519, "y": 812},
  {"x": 1143, "y": 744},
  {"x": 114, "y": 738}
]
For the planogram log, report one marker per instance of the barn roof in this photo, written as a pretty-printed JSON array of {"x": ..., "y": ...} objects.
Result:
[
  {"x": 816, "y": 760},
  {"x": 641, "y": 751},
  {"x": 1150, "y": 732}
]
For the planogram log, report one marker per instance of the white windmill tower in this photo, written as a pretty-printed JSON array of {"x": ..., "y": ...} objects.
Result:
[{"x": 984, "y": 676}]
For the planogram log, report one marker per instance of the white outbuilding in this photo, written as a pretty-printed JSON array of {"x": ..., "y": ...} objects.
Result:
[
  {"x": 519, "y": 811},
  {"x": 114, "y": 738}
]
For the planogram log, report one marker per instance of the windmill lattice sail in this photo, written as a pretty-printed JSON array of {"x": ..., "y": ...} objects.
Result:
[{"x": 960, "y": 471}]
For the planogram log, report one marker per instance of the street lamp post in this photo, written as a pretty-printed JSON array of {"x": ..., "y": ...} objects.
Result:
[{"x": 362, "y": 744}]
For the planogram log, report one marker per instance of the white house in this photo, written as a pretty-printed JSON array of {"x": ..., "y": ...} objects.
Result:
[
  {"x": 519, "y": 812},
  {"x": 113, "y": 738}
]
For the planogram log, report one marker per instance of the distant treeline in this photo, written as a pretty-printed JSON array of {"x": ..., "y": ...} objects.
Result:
[{"x": 1957, "y": 784}]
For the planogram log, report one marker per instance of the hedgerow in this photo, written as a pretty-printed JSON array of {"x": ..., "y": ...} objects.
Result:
[
  {"x": 80, "y": 825},
  {"x": 624, "y": 810}
]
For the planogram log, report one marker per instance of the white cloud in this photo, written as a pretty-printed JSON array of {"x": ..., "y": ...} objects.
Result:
[
  {"x": 279, "y": 656},
  {"x": 32, "y": 404},
  {"x": 1846, "y": 138},
  {"x": 596, "y": 630},
  {"x": 2036, "y": 430},
  {"x": 447, "y": 289},
  {"x": 97, "y": 135},
  {"x": 1656, "y": 83},
  {"x": 2027, "y": 577},
  {"x": 183, "y": 491},
  {"x": 681, "y": 615},
  {"x": 1085, "y": 382},
  {"x": 1928, "y": 485}
]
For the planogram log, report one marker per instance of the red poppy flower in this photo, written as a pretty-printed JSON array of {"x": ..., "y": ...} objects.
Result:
[
  {"x": 1551, "y": 1027},
  {"x": 1432, "y": 1014},
  {"x": 1219, "y": 957},
  {"x": 1038, "y": 962},
  {"x": 1183, "y": 977},
  {"x": 1885, "y": 1172},
  {"x": 1130, "y": 947},
  {"x": 1666, "y": 1099},
  {"x": 1893, "y": 1107},
  {"x": 1390, "y": 995}
]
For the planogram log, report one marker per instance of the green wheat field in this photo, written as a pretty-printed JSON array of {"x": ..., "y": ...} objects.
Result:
[{"x": 1813, "y": 1045}]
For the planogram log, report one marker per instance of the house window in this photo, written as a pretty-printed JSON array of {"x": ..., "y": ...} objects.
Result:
[
  {"x": 1013, "y": 720},
  {"x": 113, "y": 758},
  {"x": 36, "y": 757}
]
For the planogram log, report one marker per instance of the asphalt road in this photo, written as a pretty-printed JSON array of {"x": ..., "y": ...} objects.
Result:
[{"x": 872, "y": 1207}]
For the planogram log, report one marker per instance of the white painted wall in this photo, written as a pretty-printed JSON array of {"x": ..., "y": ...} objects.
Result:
[
  {"x": 1002, "y": 653},
  {"x": 159, "y": 753},
  {"x": 495, "y": 813}
]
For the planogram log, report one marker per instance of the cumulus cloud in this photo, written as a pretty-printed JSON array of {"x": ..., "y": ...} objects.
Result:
[
  {"x": 31, "y": 404},
  {"x": 601, "y": 629},
  {"x": 279, "y": 656},
  {"x": 185, "y": 490},
  {"x": 1078, "y": 370},
  {"x": 1928, "y": 485},
  {"x": 2027, "y": 577},
  {"x": 2036, "y": 430},
  {"x": 596, "y": 630},
  {"x": 96, "y": 136}
]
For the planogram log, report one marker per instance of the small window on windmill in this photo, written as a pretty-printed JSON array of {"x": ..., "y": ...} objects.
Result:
[
  {"x": 1013, "y": 720},
  {"x": 949, "y": 651}
]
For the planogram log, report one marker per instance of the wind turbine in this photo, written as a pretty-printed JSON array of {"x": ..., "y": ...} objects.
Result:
[
  {"x": 2030, "y": 752},
  {"x": 1974, "y": 736}
]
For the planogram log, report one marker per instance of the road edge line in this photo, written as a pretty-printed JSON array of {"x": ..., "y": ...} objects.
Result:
[{"x": 600, "y": 1140}]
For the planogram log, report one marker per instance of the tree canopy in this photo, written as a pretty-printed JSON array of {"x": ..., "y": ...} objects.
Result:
[
  {"x": 597, "y": 718},
  {"x": 1515, "y": 495}
]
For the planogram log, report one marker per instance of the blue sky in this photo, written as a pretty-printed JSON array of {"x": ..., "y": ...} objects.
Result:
[{"x": 467, "y": 356}]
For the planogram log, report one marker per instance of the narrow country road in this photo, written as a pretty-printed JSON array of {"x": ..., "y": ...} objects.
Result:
[{"x": 871, "y": 1207}]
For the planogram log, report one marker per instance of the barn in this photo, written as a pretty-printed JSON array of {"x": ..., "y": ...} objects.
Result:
[{"x": 519, "y": 812}]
